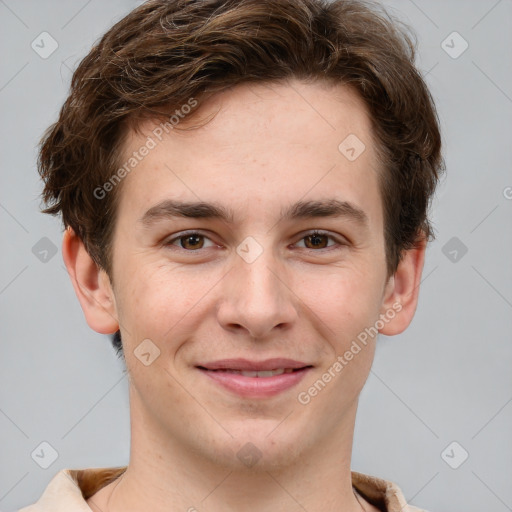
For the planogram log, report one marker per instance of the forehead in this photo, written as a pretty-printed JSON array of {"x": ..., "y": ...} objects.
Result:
[
  {"x": 264, "y": 143},
  {"x": 298, "y": 111}
]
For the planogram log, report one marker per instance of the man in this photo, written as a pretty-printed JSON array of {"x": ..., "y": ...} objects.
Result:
[{"x": 244, "y": 186}]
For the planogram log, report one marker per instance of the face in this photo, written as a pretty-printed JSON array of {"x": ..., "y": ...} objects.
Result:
[{"x": 207, "y": 295}]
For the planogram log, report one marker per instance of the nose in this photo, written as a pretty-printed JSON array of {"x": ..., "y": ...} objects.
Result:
[{"x": 256, "y": 297}]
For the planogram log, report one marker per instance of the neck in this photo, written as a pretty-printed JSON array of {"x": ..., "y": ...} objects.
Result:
[{"x": 166, "y": 475}]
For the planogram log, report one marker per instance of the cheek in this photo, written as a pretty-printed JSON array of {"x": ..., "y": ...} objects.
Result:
[
  {"x": 157, "y": 302},
  {"x": 346, "y": 300},
  {"x": 348, "y": 304}
]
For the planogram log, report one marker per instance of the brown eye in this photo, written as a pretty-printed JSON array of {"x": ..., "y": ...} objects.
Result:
[
  {"x": 316, "y": 241},
  {"x": 322, "y": 242},
  {"x": 192, "y": 241}
]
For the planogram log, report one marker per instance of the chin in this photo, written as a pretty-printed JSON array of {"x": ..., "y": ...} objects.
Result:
[{"x": 261, "y": 445}]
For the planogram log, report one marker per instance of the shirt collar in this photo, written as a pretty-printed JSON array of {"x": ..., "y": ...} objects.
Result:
[{"x": 70, "y": 488}]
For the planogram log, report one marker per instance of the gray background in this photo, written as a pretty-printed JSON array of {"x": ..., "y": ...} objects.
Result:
[{"x": 447, "y": 378}]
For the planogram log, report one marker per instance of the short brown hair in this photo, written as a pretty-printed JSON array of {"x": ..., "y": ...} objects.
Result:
[{"x": 167, "y": 51}]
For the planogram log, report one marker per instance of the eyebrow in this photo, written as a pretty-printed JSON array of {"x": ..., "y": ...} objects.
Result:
[{"x": 170, "y": 209}]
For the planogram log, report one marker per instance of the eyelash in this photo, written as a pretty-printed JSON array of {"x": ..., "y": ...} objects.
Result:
[{"x": 316, "y": 232}]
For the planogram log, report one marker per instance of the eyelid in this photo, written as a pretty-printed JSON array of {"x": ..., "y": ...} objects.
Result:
[
  {"x": 339, "y": 240},
  {"x": 183, "y": 234}
]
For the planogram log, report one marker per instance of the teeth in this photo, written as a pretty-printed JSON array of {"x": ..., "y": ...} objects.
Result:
[
  {"x": 251, "y": 374},
  {"x": 265, "y": 373},
  {"x": 270, "y": 373}
]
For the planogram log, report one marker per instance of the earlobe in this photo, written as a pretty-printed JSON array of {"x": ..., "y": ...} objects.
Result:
[
  {"x": 92, "y": 285},
  {"x": 402, "y": 291}
]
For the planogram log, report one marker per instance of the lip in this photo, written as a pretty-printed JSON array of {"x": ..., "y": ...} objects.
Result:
[{"x": 255, "y": 387}]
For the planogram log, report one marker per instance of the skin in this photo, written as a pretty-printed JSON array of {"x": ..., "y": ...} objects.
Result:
[{"x": 267, "y": 147}]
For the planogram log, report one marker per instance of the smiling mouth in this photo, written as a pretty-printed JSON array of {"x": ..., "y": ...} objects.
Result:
[
  {"x": 255, "y": 379},
  {"x": 253, "y": 373}
]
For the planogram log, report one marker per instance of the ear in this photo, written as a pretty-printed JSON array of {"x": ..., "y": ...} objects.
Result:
[
  {"x": 92, "y": 285},
  {"x": 402, "y": 290}
]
